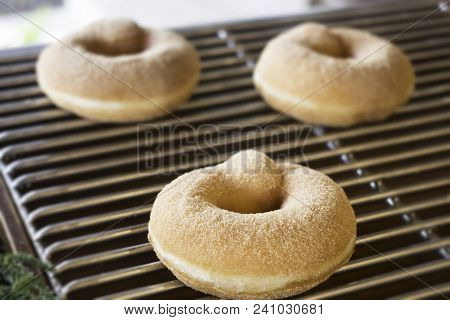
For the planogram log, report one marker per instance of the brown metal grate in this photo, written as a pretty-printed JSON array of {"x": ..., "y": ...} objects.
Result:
[{"x": 70, "y": 179}]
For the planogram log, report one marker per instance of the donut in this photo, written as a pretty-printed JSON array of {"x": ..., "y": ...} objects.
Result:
[
  {"x": 333, "y": 76},
  {"x": 250, "y": 228},
  {"x": 116, "y": 71}
]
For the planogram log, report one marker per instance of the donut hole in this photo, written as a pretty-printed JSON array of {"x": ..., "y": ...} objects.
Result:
[
  {"x": 325, "y": 42},
  {"x": 249, "y": 182},
  {"x": 113, "y": 37},
  {"x": 247, "y": 199},
  {"x": 240, "y": 203},
  {"x": 131, "y": 45},
  {"x": 339, "y": 52}
]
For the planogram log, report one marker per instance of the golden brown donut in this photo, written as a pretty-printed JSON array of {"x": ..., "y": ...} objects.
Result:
[
  {"x": 250, "y": 228},
  {"x": 307, "y": 73},
  {"x": 117, "y": 71}
]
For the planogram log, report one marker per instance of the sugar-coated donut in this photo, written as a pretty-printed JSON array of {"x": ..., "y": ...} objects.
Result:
[
  {"x": 117, "y": 71},
  {"x": 250, "y": 228},
  {"x": 333, "y": 76}
]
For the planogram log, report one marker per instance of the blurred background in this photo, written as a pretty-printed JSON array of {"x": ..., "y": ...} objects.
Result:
[{"x": 60, "y": 17}]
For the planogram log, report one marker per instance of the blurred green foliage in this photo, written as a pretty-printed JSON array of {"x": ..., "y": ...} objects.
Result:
[{"x": 19, "y": 280}]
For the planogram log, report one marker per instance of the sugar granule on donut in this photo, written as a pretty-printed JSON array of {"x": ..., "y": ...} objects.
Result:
[
  {"x": 250, "y": 228},
  {"x": 333, "y": 76},
  {"x": 117, "y": 71}
]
